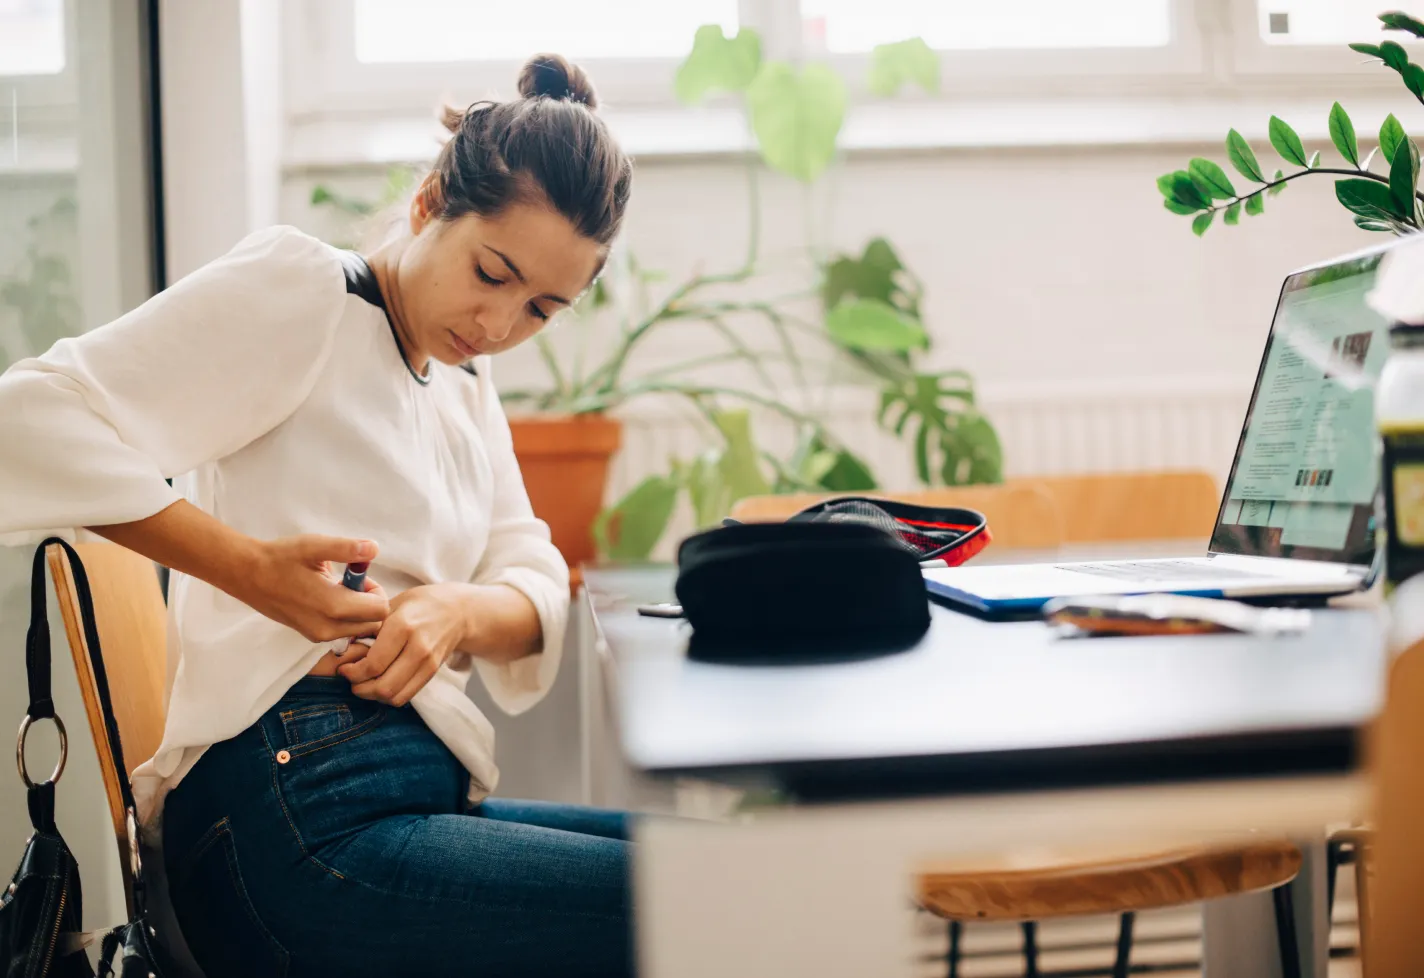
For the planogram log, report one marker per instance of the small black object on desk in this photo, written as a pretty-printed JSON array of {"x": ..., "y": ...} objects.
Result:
[{"x": 765, "y": 593}]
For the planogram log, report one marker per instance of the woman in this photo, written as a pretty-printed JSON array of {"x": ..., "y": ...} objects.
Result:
[{"x": 323, "y": 801}]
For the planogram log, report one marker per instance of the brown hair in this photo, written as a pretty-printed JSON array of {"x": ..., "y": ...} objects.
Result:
[{"x": 547, "y": 143}]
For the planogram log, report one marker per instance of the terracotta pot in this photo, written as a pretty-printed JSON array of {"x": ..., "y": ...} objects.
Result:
[{"x": 564, "y": 459}]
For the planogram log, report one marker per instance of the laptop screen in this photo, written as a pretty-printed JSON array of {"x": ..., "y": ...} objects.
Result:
[{"x": 1304, "y": 478}]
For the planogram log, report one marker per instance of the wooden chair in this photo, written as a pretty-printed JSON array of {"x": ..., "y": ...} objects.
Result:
[
  {"x": 133, "y": 632},
  {"x": 1022, "y": 516},
  {"x": 1393, "y": 853},
  {"x": 1118, "y": 506},
  {"x": 1067, "y": 888}
]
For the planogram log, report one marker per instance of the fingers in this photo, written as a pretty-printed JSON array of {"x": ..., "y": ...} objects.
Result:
[
  {"x": 316, "y": 549},
  {"x": 411, "y": 670},
  {"x": 345, "y": 605},
  {"x": 423, "y": 675},
  {"x": 389, "y": 642}
]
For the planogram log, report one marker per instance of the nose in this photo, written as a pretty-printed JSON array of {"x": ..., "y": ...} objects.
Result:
[{"x": 497, "y": 320}]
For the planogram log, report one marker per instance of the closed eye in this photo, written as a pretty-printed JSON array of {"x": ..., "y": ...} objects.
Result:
[
  {"x": 539, "y": 314},
  {"x": 486, "y": 277}
]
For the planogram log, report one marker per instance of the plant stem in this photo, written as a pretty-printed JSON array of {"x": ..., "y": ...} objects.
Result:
[
  {"x": 1338, "y": 171},
  {"x": 546, "y": 353}
]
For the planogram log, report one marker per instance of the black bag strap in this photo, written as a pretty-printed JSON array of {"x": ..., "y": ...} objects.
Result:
[{"x": 38, "y": 665}]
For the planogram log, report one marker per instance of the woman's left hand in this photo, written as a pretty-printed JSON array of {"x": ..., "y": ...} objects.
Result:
[{"x": 425, "y": 625}]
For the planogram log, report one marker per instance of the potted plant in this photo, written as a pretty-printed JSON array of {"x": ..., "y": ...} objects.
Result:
[{"x": 1388, "y": 201}]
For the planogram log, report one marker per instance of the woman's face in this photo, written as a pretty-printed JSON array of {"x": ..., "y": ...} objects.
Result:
[{"x": 478, "y": 285}]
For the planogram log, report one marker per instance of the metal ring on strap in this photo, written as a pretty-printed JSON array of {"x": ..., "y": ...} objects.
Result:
[{"x": 20, "y": 751}]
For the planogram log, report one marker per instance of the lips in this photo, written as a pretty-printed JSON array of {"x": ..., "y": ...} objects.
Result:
[{"x": 463, "y": 348}]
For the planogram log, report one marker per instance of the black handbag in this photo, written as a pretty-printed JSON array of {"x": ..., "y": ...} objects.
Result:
[
  {"x": 840, "y": 579},
  {"x": 41, "y": 910}
]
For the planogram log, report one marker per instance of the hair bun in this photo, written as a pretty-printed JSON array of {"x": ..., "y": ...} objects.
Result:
[{"x": 553, "y": 76}]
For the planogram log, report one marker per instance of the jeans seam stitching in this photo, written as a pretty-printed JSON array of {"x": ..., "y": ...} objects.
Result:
[
  {"x": 320, "y": 709},
  {"x": 282, "y": 803},
  {"x": 235, "y": 875},
  {"x": 341, "y": 736}
]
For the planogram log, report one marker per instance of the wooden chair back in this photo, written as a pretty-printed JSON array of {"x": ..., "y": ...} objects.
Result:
[
  {"x": 1389, "y": 920},
  {"x": 1106, "y": 507},
  {"x": 1021, "y": 516},
  {"x": 133, "y": 631}
]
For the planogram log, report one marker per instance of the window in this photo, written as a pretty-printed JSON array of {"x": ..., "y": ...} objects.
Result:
[
  {"x": 1319, "y": 22},
  {"x": 463, "y": 30},
  {"x": 31, "y": 37},
  {"x": 849, "y": 26}
]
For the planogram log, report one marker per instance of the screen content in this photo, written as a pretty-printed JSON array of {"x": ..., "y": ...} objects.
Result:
[{"x": 1304, "y": 478}]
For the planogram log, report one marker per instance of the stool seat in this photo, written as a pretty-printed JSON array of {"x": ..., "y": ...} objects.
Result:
[{"x": 1063, "y": 888}]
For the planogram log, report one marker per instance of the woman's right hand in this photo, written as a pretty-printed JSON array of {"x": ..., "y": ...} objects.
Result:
[{"x": 292, "y": 582}]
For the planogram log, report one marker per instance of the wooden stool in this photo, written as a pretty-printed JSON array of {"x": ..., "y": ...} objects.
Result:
[{"x": 1122, "y": 886}]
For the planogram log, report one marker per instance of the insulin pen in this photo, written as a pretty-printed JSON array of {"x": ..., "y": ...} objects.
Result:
[
  {"x": 355, "y": 579},
  {"x": 355, "y": 576}
]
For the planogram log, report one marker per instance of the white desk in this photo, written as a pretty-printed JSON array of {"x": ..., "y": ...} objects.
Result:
[{"x": 823, "y": 890}]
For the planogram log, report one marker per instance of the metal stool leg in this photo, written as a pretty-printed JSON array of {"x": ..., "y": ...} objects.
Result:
[
  {"x": 1030, "y": 933},
  {"x": 1122, "y": 964},
  {"x": 956, "y": 934},
  {"x": 1285, "y": 931}
]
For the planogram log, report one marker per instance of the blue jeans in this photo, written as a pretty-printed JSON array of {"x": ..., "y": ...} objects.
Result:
[{"x": 332, "y": 837}]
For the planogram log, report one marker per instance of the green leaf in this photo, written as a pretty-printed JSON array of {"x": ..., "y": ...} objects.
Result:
[
  {"x": 922, "y": 452},
  {"x": 1239, "y": 152},
  {"x": 971, "y": 452},
  {"x": 1372, "y": 50},
  {"x": 869, "y": 324},
  {"x": 1277, "y": 186},
  {"x": 1394, "y": 55},
  {"x": 706, "y": 487},
  {"x": 911, "y": 61},
  {"x": 1342, "y": 134},
  {"x": 797, "y": 117},
  {"x": 1286, "y": 142},
  {"x": 1369, "y": 159},
  {"x": 1396, "y": 21},
  {"x": 1233, "y": 213},
  {"x": 1255, "y": 204},
  {"x": 1314, "y": 160},
  {"x": 630, "y": 528},
  {"x": 718, "y": 63},
  {"x": 1202, "y": 222},
  {"x": 1367, "y": 198},
  {"x": 1177, "y": 208},
  {"x": 1414, "y": 79},
  {"x": 739, "y": 465},
  {"x": 848, "y": 474},
  {"x": 1404, "y": 177},
  {"x": 1391, "y": 134},
  {"x": 1186, "y": 191},
  {"x": 1211, "y": 179},
  {"x": 1369, "y": 225},
  {"x": 876, "y": 274}
]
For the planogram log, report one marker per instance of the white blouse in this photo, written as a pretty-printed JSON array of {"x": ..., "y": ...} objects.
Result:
[{"x": 280, "y": 403}]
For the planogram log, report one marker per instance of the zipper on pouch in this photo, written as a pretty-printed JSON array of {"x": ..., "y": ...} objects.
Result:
[{"x": 58, "y": 923}]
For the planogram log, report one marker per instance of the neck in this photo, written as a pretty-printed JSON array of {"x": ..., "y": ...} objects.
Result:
[{"x": 384, "y": 261}]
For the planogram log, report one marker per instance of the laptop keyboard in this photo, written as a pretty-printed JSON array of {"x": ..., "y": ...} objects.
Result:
[{"x": 1154, "y": 571}]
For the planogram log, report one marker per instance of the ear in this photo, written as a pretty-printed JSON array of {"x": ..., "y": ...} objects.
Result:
[{"x": 427, "y": 203}]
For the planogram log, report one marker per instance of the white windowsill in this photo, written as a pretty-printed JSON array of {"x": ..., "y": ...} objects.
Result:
[{"x": 905, "y": 126}]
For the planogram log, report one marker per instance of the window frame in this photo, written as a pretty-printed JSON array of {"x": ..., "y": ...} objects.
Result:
[
  {"x": 338, "y": 108},
  {"x": 52, "y": 89}
]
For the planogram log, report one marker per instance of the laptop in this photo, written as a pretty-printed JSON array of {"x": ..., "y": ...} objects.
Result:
[{"x": 1297, "y": 519}]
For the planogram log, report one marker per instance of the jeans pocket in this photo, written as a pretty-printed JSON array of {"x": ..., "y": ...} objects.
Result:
[
  {"x": 312, "y": 726},
  {"x": 219, "y": 922}
]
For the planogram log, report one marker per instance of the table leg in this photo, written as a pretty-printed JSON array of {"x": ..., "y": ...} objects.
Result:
[{"x": 1239, "y": 933}]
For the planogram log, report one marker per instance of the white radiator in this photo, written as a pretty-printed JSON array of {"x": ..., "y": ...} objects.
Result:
[{"x": 1066, "y": 427}]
